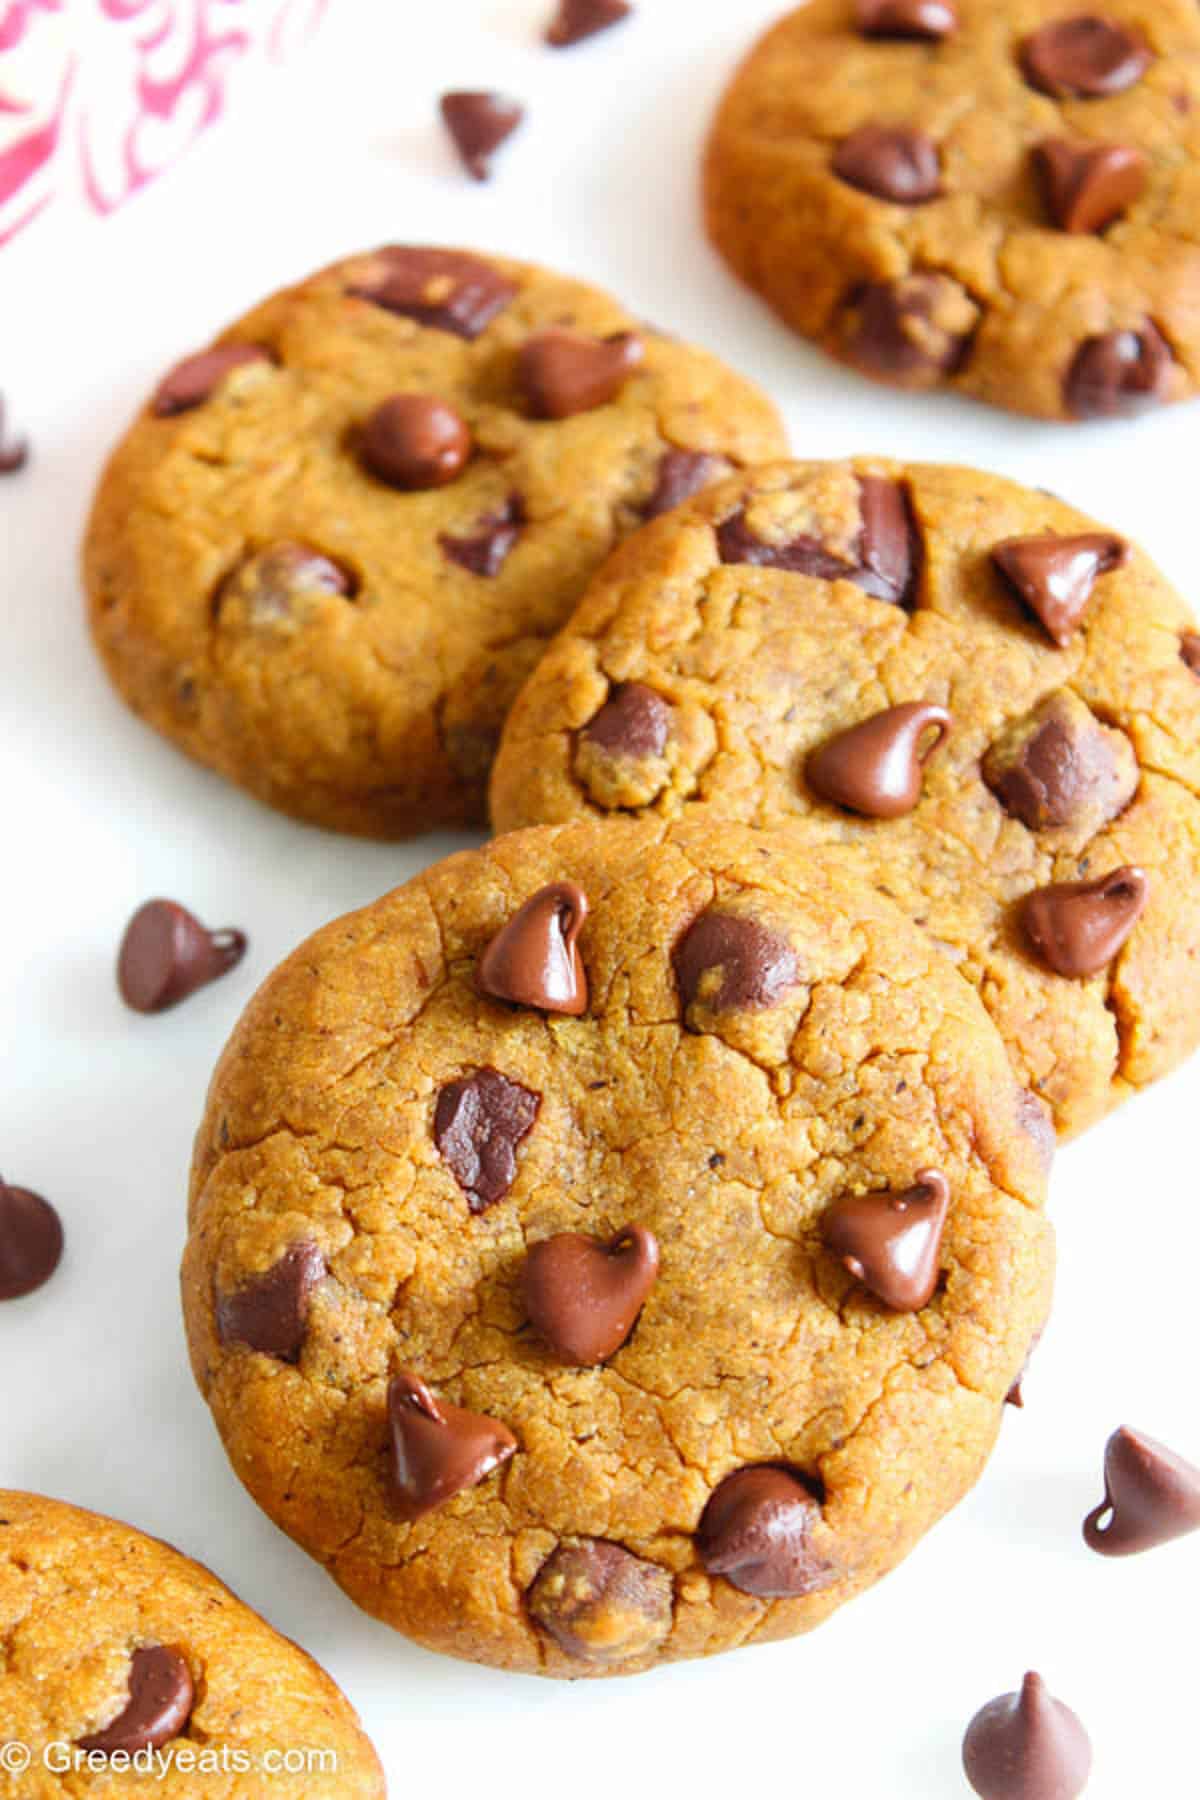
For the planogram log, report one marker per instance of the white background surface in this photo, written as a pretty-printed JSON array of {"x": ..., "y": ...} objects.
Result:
[{"x": 97, "y": 1107}]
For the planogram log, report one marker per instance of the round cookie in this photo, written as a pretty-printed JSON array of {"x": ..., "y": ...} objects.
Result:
[
  {"x": 331, "y": 547},
  {"x": 614, "y": 1246},
  {"x": 997, "y": 199},
  {"x": 121, "y": 1655},
  {"x": 724, "y": 655}
]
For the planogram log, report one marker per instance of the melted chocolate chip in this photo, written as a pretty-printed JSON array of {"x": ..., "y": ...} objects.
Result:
[
  {"x": 682, "y": 473},
  {"x": 600, "y": 1603},
  {"x": 445, "y": 290},
  {"x": 890, "y": 162},
  {"x": 438, "y": 1450},
  {"x": 31, "y": 1241},
  {"x": 479, "y": 122},
  {"x": 270, "y": 1312},
  {"x": 1027, "y": 1746},
  {"x": 272, "y": 583},
  {"x": 727, "y": 963},
  {"x": 892, "y": 1242},
  {"x": 756, "y": 1532},
  {"x": 534, "y": 960},
  {"x": 562, "y": 372},
  {"x": 887, "y": 553},
  {"x": 579, "y": 19},
  {"x": 1077, "y": 927},
  {"x": 1189, "y": 650},
  {"x": 912, "y": 332},
  {"x": 415, "y": 441},
  {"x": 486, "y": 548},
  {"x": 477, "y": 1124},
  {"x": 583, "y": 1296},
  {"x": 166, "y": 954},
  {"x": 1151, "y": 1496},
  {"x": 1119, "y": 374},
  {"x": 161, "y": 1697},
  {"x": 13, "y": 455},
  {"x": 1084, "y": 58},
  {"x": 1086, "y": 185},
  {"x": 1055, "y": 576},
  {"x": 876, "y": 768},
  {"x": 634, "y": 721},
  {"x": 1061, "y": 767},
  {"x": 802, "y": 555},
  {"x": 196, "y": 379},
  {"x": 930, "y": 19}
]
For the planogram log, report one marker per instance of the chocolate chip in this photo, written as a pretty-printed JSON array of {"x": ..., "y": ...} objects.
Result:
[
  {"x": 910, "y": 332},
  {"x": 477, "y": 1124},
  {"x": 486, "y": 548},
  {"x": 892, "y": 1242},
  {"x": 1086, "y": 185},
  {"x": 445, "y": 290},
  {"x": 1084, "y": 58},
  {"x": 415, "y": 441},
  {"x": 1037, "y": 1122},
  {"x": 726, "y": 963},
  {"x": 193, "y": 381},
  {"x": 438, "y": 1450},
  {"x": 1189, "y": 650},
  {"x": 906, "y": 18},
  {"x": 1077, "y": 927},
  {"x": 534, "y": 960},
  {"x": 161, "y": 1697},
  {"x": 890, "y": 162},
  {"x": 1027, "y": 1746},
  {"x": 876, "y": 768},
  {"x": 273, "y": 583},
  {"x": 1119, "y": 374},
  {"x": 634, "y": 721},
  {"x": 479, "y": 122},
  {"x": 1151, "y": 1496},
  {"x": 583, "y": 1296},
  {"x": 270, "y": 1313},
  {"x": 682, "y": 473},
  {"x": 1061, "y": 767},
  {"x": 31, "y": 1241},
  {"x": 888, "y": 553},
  {"x": 166, "y": 954},
  {"x": 579, "y": 19},
  {"x": 1055, "y": 576},
  {"x": 563, "y": 372},
  {"x": 756, "y": 1531},
  {"x": 600, "y": 1603},
  {"x": 14, "y": 455},
  {"x": 802, "y": 555}
]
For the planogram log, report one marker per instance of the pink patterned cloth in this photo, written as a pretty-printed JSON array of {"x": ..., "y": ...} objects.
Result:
[{"x": 97, "y": 97}]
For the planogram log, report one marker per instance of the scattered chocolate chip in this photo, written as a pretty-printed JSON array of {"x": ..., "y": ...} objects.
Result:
[
  {"x": 876, "y": 767},
  {"x": 479, "y": 122},
  {"x": 890, "y": 162},
  {"x": 1119, "y": 374},
  {"x": 563, "y": 372},
  {"x": 682, "y": 473},
  {"x": 600, "y": 1603},
  {"x": 906, "y": 18},
  {"x": 1086, "y": 185},
  {"x": 438, "y": 1450},
  {"x": 445, "y": 290},
  {"x": 161, "y": 1697},
  {"x": 1077, "y": 927},
  {"x": 911, "y": 332},
  {"x": 888, "y": 553},
  {"x": 892, "y": 1242},
  {"x": 534, "y": 960},
  {"x": 414, "y": 441},
  {"x": 579, "y": 19},
  {"x": 634, "y": 721},
  {"x": 1150, "y": 1497},
  {"x": 477, "y": 1124},
  {"x": 1055, "y": 576},
  {"x": 1060, "y": 766},
  {"x": 486, "y": 548},
  {"x": 1084, "y": 58},
  {"x": 14, "y": 455},
  {"x": 272, "y": 583},
  {"x": 270, "y": 1313},
  {"x": 1189, "y": 650},
  {"x": 755, "y": 1531},
  {"x": 31, "y": 1241},
  {"x": 726, "y": 963},
  {"x": 583, "y": 1296},
  {"x": 166, "y": 954},
  {"x": 193, "y": 381},
  {"x": 1027, "y": 1746}
]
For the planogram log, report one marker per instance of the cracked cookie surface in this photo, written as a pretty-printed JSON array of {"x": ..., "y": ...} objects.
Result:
[
  {"x": 565, "y": 1275},
  {"x": 330, "y": 549},
  {"x": 998, "y": 199}
]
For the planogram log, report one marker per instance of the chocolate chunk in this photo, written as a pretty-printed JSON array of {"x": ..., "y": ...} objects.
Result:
[
  {"x": 31, "y": 1241},
  {"x": 682, "y": 473},
  {"x": 755, "y": 1531},
  {"x": 727, "y": 963},
  {"x": 445, "y": 290},
  {"x": 634, "y": 721},
  {"x": 534, "y": 960},
  {"x": 13, "y": 455},
  {"x": 1119, "y": 374},
  {"x": 486, "y": 548},
  {"x": 270, "y": 1313},
  {"x": 166, "y": 954},
  {"x": 1061, "y": 767},
  {"x": 890, "y": 162},
  {"x": 1150, "y": 1497},
  {"x": 479, "y": 122},
  {"x": 193, "y": 381},
  {"x": 1189, "y": 650},
  {"x": 887, "y": 551},
  {"x": 583, "y": 1296},
  {"x": 415, "y": 441},
  {"x": 563, "y": 372},
  {"x": 906, "y": 18},
  {"x": 600, "y": 1603},
  {"x": 272, "y": 584},
  {"x": 161, "y": 1697},
  {"x": 892, "y": 1242},
  {"x": 876, "y": 767},
  {"x": 477, "y": 1124},
  {"x": 803, "y": 555},
  {"x": 1055, "y": 576},
  {"x": 579, "y": 19},
  {"x": 1087, "y": 185},
  {"x": 1077, "y": 927},
  {"x": 1027, "y": 1746},
  {"x": 1084, "y": 58},
  {"x": 438, "y": 1450},
  {"x": 910, "y": 332}
]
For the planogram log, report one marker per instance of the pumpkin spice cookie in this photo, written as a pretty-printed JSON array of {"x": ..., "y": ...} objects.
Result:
[
  {"x": 985, "y": 703},
  {"x": 997, "y": 199},
  {"x": 331, "y": 547},
  {"x": 121, "y": 1655},
  {"x": 614, "y": 1246}
]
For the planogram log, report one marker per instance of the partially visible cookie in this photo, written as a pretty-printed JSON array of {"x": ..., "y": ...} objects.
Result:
[
  {"x": 331, "y": 547},
  {"x": 997, "y": 199},
  {"x": 119, "y": 1654},
  {"x": 985, "y": 702}
]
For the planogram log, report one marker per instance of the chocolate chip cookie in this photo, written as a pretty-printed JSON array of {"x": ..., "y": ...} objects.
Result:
[
  {"x": 998, "y": 199},
  {"x": 614, "y": 1246},
  {"x": 984, "y": 702},
  {"x": 121, "y": 1655},
  {"x": 332, "y": 546}
]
